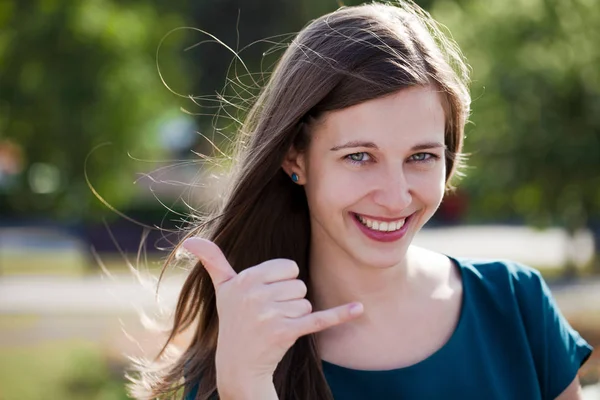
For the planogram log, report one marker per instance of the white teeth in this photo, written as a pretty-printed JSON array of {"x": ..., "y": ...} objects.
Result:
[{"x": 382, "y": 226}]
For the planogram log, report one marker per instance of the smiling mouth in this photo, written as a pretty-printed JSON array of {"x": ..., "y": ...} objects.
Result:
[{"x": 381, "y": 226}]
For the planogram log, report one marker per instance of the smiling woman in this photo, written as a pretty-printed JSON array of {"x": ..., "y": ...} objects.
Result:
[
  {"x": 307, "y": 285},
  {"x": 380, "y": 163}
]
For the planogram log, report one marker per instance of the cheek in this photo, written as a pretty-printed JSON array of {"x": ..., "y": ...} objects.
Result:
[
  {"x": 436, "y": 190},
  {"x": 330, "y": 188},
  {"x": 430, "y": 186}
]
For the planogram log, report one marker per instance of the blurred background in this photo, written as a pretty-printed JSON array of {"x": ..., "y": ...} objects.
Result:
[{"x": 100, "y": 161}]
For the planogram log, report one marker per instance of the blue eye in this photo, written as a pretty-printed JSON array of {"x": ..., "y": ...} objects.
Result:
[
  {"x": 422, "y": 157},
  {"x": 358, "y": 158}
]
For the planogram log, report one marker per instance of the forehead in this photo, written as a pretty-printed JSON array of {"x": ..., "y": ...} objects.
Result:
[{"x": 410, "y": 115}]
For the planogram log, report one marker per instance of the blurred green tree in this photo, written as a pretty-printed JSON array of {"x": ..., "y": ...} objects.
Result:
[
  {"x": 74, "y": 76},
  {"x": 535, "y": 134}
]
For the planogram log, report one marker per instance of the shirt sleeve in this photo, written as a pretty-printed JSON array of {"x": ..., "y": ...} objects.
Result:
[{"x": 557, "y": 349}]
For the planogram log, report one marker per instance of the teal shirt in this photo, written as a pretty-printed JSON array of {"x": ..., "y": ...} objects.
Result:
[{"x": 511, "y": 343}]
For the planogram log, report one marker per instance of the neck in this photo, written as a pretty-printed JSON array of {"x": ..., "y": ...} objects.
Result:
[{"x": 337, "y": 280}]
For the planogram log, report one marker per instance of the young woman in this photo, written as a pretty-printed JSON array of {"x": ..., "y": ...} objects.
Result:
[{"x": 307, "y": 285}]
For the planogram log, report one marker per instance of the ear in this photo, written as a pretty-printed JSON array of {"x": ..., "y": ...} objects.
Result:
[{"x": 295, "y": 162}]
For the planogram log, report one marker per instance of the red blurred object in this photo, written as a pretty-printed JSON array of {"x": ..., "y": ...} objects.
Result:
[
  {"x": 11, "y": 158},
  {"x": 453, "y": 207}
]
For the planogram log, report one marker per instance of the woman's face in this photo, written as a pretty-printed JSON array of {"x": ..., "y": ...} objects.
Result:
[{"x": 374, "y": 174}]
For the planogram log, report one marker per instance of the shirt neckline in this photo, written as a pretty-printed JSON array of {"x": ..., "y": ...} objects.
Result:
[{"x": 454, "y": 337}]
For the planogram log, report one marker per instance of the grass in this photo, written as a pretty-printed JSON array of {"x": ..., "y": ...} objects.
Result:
[
  {"x": 17, "y": 322},
  {"x": 67, "y": 370},
  {"x": 41, "y": 263},
  {"x": 67, "y": 263}
]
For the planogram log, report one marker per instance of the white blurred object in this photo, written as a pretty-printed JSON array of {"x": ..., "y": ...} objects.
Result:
[
  {"x": 87, "y": 295},
  {"x": 591, "y": 392},
  {"x": 549, "y": 248}
]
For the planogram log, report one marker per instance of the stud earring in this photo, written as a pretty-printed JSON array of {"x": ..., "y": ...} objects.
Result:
[{"x": 295, "y": 177}]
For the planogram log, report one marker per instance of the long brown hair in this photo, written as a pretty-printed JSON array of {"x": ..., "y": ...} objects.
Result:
[{"x": 340, "y": 59}]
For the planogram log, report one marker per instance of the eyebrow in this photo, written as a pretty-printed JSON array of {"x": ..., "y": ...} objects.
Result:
[{"x": 371, "y": 145}]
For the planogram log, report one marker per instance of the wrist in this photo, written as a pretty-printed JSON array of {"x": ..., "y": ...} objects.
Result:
[{"x": 237, "y": 388}]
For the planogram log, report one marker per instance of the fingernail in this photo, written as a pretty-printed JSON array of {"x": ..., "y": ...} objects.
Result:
[{"x": 356, "y": 309}]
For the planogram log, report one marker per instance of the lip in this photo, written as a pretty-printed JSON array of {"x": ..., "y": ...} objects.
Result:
[{"x": 383, "y": 236}]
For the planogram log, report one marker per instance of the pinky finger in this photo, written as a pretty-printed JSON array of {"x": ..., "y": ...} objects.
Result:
[{"x": 321, "y": 320}]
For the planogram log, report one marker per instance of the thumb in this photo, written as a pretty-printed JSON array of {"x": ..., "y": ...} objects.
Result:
[{"x": 212, "y": 258}]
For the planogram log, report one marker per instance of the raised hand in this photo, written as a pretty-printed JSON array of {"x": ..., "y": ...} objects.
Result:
[{"x": 262, "y": 312}]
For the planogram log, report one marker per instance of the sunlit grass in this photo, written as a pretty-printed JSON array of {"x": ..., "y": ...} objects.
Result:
[
  {"x": 17, "y": 321},
  {"x": 68, "y": 370},
  {"x": 70, "y": 263},
  {"x": 41, "y": 263}
]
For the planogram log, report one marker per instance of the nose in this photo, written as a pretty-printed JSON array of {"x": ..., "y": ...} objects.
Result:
[{"x": 394, "y": 192}]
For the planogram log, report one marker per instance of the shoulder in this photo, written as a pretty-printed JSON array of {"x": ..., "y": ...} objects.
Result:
[
  {"x": 557, "y": 350},
  {"x": 498, "y": 268},
  {"x": 503, "y": 276},
  {"x": 508, "y": 287}
]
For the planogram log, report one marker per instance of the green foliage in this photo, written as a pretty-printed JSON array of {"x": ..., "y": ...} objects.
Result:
[
  {"x": 535, "y": 133},
  {"x": 74, "y": 76},
  {"x": 62, "y": 370}
]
